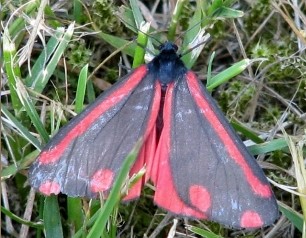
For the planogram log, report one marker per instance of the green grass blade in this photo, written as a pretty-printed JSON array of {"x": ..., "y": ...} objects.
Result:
[
  {"x": 77, "y": 11},
  {"x": 202, "y": 232},
  {"x": 194, "y": 35},
  {"x": 24, "y": 163},
  {"x": 193, "y": 29},
  {"x": 31, "y": 111},
  {"x": 52, "y": 218},
  {"x": 136, "y": 12},
  {"x": 81, "y": 89},
  {"x": 175, "y": 18},
  {"x": 292, "y": 215},
  {"x": 209, "y": 67},
  {"x": 33, "y": 80},
  {"x": 138, "y": 19},
  {"x": 229, "y": 73},
  {"x": 44, "y": 75},
  {"x": 16, "y": 218},
  {"x": 127, "y": 18},
  {"x": 75, "y": 214},
  {"x": 90, "y": 91},
  {"x": 142, "y": 41},
  {"x": 18, "y": 27},
  {"x": 246, "y": 131},
  {"x": 24, "y": 132},
  {"x": 269, "y": 146},
  {"x": 226, "y": 12},
  {"x": 119, "y": 42},
  {"x": 12, "y": 68}
]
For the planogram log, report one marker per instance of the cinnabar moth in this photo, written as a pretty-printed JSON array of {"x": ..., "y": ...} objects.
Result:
[{"x": 199, "y": 166}]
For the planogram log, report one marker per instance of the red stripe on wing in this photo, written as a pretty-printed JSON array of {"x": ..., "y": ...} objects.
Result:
[
  {"x": 52, "y": 155},
  {"x": 166, "y": 195},
  {"x": 195, "y": 90}
]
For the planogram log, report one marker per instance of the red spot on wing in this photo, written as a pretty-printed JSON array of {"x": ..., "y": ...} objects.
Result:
[
  {"x": 200, "y": 197},
  {"x": 101, "y": 180},
  {"x": 47, "y": 157},
  {"x": 166, "y": 195},
  {"x": 251, "y": 219},
  {"x": 257, "y": 186},
  {"x": 147, "y": 152},
  {"x": 49, "y": 187}
]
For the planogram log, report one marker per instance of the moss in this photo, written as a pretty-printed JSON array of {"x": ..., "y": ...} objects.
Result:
[
  {"x": 78, "y": 54},
  {"x": 103, "y": 15}
]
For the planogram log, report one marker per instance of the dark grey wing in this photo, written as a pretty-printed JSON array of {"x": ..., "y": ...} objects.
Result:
[
  {"x": 86, "y": 154},
  {"x": 204, "y": 170}
]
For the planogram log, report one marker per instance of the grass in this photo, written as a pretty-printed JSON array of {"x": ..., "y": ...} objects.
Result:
[{"x": 253, "y": 61}]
